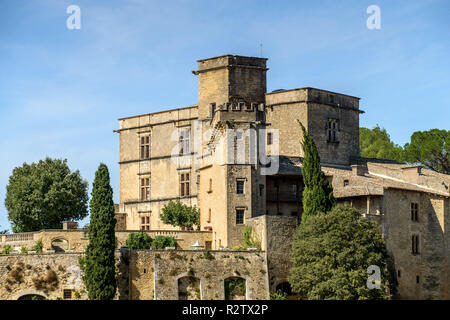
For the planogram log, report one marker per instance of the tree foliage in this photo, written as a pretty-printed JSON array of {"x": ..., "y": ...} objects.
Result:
[
  {"x": 161, "y": 242},
  {"x": 42, "y": 195},
  {"x": 331, "y": 253},
  {"x": 139, "y": 240},
  {"x": 376, "y": 143},
  {"x": 100, "y": 263},
  {"x": 318, "y": 192},
  {"x": 430, "y": 148},
  {"x": 180, "y": 215}
]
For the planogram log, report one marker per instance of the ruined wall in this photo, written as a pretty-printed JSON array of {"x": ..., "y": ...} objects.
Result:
[
  {"x": 275, "y": 234},
  {"x": 45, "y": 275},
  {"x": 48, "y": 275},
  {"x": 161, "y": 271}
]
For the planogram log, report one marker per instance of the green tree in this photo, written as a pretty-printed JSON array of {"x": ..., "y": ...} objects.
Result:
[
  {"x": 318, "y": 192},
  {"x": 430, "y": 148},
  {"x": 180, "y": 215},
  {"x": 376, "y": 143},
  {"x": 161, "y": 242},
  {"x": 139, "y": 240},
  {"x": 331, "y": 254},
  {"x": 100, "y": 263},
  {"x": 41, "y": 196}
]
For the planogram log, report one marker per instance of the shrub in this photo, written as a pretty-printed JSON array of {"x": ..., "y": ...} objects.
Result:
[
  {"x": 7, "y": 249},
  {"x": 208, "y": 255},
  {"x": 139, "y": 240},
  {"x": 23, "y": 250},
  {"x": 38, "y": 246},
  {"x": 234, "y": 287},
  {"x": 160, "y": 242},
  {"x": 249, "y": 239},
  {"x": 279, "y": 295}
]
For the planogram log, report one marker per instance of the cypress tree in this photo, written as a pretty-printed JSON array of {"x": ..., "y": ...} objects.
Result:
[
  {"x": 318, "y": 192},
  {"x": 100, "y": 263}
]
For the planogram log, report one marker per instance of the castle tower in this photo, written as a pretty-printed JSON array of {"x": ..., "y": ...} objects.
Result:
[
  {"x": 229, "y": 78},
  {"x": 231, "y": 96}
]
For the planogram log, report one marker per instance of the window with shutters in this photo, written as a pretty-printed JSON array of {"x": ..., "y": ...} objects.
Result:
[
  {"x": 145, "y": 147},
  {"x": 145, "y": 223},
  {"x": 145, "y": 189},
  {"x": 184, "y": 184}
]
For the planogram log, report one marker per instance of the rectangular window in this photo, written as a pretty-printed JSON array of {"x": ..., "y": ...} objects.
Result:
[
  {"x": 145, "y": 189},
  {"x": 184, "y": 184},
  {"x": 145, "y": 223},
  {"x": 415, "y": 244},
  {"x": 67, "y": 294},
  {"x": 209, "y": 216},
  {"x": 414, "y": 211},
  {"x": 269, "y": 138},
  {"x": 398, "y": 273},
  {"x": 240, "y": 186},
  {"x": 332, "y": 128},
  {"x": 239, "y": 216},
  {"x": 184, "y": 142},
  {"x": 417, "y": 279},
  {"x": 261, "y": 190},
  {"x": 145, "y": 147}
]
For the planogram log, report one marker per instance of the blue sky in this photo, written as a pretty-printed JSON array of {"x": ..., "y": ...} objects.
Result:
[{"x": 61, "y": 90}]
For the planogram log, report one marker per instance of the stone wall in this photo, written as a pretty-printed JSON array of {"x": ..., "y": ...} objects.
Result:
[
  {"x": 423, "y": 275},
  {"x": 48, "y": 275},
  {"x": 160, "y": 272},
  {"x": 275, "y": 234},
  {"x": 41, "y": 274},
  {"x": 77, "y": 240}
]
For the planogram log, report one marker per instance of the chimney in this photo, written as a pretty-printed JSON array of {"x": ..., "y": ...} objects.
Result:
[
  {"x": 70, "y": 225},
  {"x": 411, "y": 174},
  {"x": 359, "y": 169}
]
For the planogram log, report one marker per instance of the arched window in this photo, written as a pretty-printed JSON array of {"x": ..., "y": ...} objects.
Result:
[
  {"x": 189, "y": 288},
  {"x": 235, "y": 288}
]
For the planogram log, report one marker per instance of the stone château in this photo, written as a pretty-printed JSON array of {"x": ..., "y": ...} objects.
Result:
[{"x": 236, "y": 155}]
